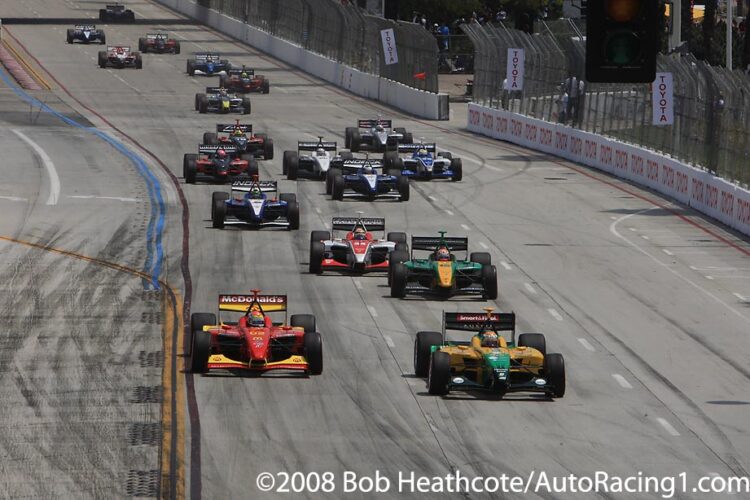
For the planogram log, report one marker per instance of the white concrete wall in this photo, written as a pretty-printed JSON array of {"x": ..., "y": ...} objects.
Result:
[{"x": 413, "y": 101}]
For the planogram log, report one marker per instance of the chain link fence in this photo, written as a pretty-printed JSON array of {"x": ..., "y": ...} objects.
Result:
[
  {"x": 711, "y": 104},
  {"x": 345, "y": 33}
]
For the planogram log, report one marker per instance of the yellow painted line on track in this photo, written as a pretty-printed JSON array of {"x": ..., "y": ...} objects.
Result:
[
  {"x": 34, "y": 73},
  {"x": 172, "y": 382}
]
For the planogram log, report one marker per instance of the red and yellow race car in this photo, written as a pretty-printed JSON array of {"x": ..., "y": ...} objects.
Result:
[
  {"x": 245, "y": 338},
  {"x": 159, "y": 43},
  {"x": 244, "y": 80},
  {"x": 220, "y": 163}
]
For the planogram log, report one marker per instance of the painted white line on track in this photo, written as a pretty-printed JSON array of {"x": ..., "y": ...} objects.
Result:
[
  {"x": 449, "y": 212},
  {"x": 621, "y": 380},
  {"x": 667, "y": 426},
  {"x": 12, "y": 198},
  {"x": 505, "y": 265},
  {"x": 742, "y": 298},
  {"x": 54, "y": 180},
  {"x": 126, "y": 83},
  {"x": 483, "y": 245},
  {"x": 709, "y": 277},
  {"x": 529, "y": 288},
  {"x": 465, "y": 227},
  {"x": 666, "y": 251},
  {"x": 389, "y": 341},
  {"x": 555, "y": 314},
  {"x": 585, "y": 343},
  {"x": 496, "y": 169},
  {"x": 373, "y": 312},
  {"x": 358, "y": 284},
  {"x": 645, "y": 237},
  {"x": 431, "y": 197},
  {"x": 613, "y": 217},
  {"x": 318, "y": 210},
  {"x": 92, "y": 197},
  {"x": 632, "y": 229}
]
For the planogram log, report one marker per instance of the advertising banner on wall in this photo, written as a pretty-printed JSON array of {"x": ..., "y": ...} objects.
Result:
[
  {"x": 514, "y": 70},
  {"x": 389, "y": 46},
  {"x": 662, "y": 99}
]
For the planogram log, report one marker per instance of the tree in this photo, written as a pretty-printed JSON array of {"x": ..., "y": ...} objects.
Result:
[
  {"x": 709, "y": 25},
  {"x": 746, "y": 45}
]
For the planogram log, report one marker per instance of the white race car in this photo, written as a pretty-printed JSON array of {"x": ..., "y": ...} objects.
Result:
[{"x": 315, "y": 158}]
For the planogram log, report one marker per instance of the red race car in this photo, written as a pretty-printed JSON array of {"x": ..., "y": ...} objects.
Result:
[
  {"x": 251, "y": 341},
  {"x": 241, "y": 136},
  {"x": 359, "y": 251},
  {"x": 221, "y": 163},
  {"x": 244, "y": 80},
  {"x": 159, "y": 43}
]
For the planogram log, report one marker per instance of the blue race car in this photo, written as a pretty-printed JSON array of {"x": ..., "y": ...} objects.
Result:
[
  {"x": 86, "y": 33},
  {"x": 250, "y": 205},
  {"x": 423, "y": 163},
  {"x": 207, "y": 63},
  {"x": 365, "y": 178}
]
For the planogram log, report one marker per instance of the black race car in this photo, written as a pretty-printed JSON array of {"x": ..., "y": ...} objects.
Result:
[{"x": 116, "y": 13}]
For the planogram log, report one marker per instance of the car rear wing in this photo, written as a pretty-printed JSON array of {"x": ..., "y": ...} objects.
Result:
[
  {"x": 373, "y": 123},
  {"x": 239, "y": 71},
  {"x": 248, "y": 185},
  {"x": 359, "y": 163},
  {"x": 213, "y": 148},
  {"x": 473, "y": 321},
  {"x": 242, "y": 302},
  {"x": 207, "y": 56},
  {"x": 115, "y": 7},
  {"x": 154, "y": 36},
  {"x": 117, "y": 47},
  {"x": 89, "y": 27},
  {"x": 214, "y": 90},
  {"x": 349, "y": 223},
  {"x": 228, "y": 129},
  {"x": 454, "y": 244},
  {"x": 411, "y": 148},
  {"x": 312, "y": 146}
]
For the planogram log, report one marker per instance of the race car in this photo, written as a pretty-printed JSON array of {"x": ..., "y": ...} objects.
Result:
[
  {"x": 120, "y": 57},
  {"x": 244, "y": 80},
  {"x": 159, "y": 43},
  {"x": 220, "y": 163},
  {"x": 242, "y": 136},
  {"x": 116, "y": 13},
  {"x": 487, "y": 362},
  {"x": 85, "y": 33},
  {"x": 321, "y": 157},
  {"x": 250, "y": 206},
  {"x": 376, "y": 135},
  {"x": 358, "y": 251},
  {"x": 207, "y": 63},
  {"x": 363, "y": 178},
  {"x": 442, "y": 274},
  {"x": 423, "y": 163},
  {"x": 218, "y": 100},
  {"x": 245, "y": 338}
]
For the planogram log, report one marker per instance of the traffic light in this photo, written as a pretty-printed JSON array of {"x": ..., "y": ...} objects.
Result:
[{"x": 622, "y": 39}]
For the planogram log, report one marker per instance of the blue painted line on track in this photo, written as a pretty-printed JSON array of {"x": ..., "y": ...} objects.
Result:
[{"x": 155, "y": 229}]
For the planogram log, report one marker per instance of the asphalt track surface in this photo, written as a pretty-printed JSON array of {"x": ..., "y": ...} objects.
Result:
[{"x": 649, "y": 302}]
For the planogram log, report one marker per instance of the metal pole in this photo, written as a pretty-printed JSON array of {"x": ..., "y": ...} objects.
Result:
[
  {"x": 676, "y": 14},
  {"x": 729, "y": 33}
]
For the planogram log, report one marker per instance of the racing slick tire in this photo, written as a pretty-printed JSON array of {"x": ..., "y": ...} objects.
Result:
[
  {"x": 423, "y": 351},
  {"x": 483, "y": 258},
  {"x": 177, "y": 47},
  {"x": 292, "y": 215},
  {"x": 458, "y": 169},
  {"x": 489, "y": 282},
  {"x": 265, "y": 87},
  {"x": 200, "y": 352},
  {"x": 102, "y": 58},
  {"x": 446, "y": 155},
  {"x": 287, "y": 159},
  {"x": 252, "y": 164},
  {"x": 337, "y": 187},
  {"x": 203, "y": 104},
  {"x": 245, "y": 106},
  {"x": 314, "y": 352},
  {"x": 69, "y": 36},
  {"x": 399, "y": 273},
  {"x": 397, "y": 255},
  {"x": 396, "y": 237},
  {"x": 402, "y": 183},
  {"x": 346, "y": 155},
  {"x": 288, "y": 197},
  {"x": 317, "y": 252},
  {"x": 329, "y": 179},
  {"x": 319, "y": 236},
  {"x": 190, "y": 68},
  {"x": 554, "y": 371},
  {"x": 306, "y": 321},
  {"x": 439, "y": 373},
  {"x": 389, "y": 159},
  {"x": 138, "y": 61},
  {"x": 268, "y": 149},
  {"x": 197, "y": 322},
  {"x": 356, "y": 141},
  {"x": 222, "y": 81},
  {"x": 348, "y": 137},
  {"x": 397, "y": 168},
  {"x": 402, "y": 247},
  {"x": 102, "y": 38},
  {"x": 103, "y": 15},
  {"x": 130, "y": 16},
  {"x": 189, "y": 167},
  {"x": 210, "y": 138},
  {"x": 198, "y": 98},
  {"x": 142, "y": 45},
  {"x": 533, "y": 340},
  {"x": 218, "y": 209}
]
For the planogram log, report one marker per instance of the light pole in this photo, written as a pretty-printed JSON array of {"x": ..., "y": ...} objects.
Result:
[{"x": 730, "y": 16}]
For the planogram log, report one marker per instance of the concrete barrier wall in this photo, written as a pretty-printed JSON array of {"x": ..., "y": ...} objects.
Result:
[
  {"x": 697, "y": 188},
  {"x": 416, "y": 102}
]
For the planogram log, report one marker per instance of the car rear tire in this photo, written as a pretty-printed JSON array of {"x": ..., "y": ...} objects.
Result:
[
  {"x": 266, "y": 87},
  {"x": 356, "y": 141},
  {"x": 329, "y": 179},
  {"x": 102, "y": 14},
  {"x": 346, "y": 155},
  {"x": 252, "y": 165},
  {"x": 69, "y": 36},
  {"x": 190, "y": 68},
  {"x": 218, "y": 209},
  {"x": 317, "y": 252},
  {"x": 268, "y": 149},
  {"x": 198, "y": 100},
  {"x": 189, "y": 167},
  {"x": 554, "y": 371},
  {"x": 293, "y": 215},
  {"x": 210, "y": 138},
  {"x": 286, "y": 158},
  {"x": 288, "y": 197},
  {"x": 348, "y": 137},
  {"x": 397, "y": 255},
  {"x": 446, "y": 155},
  {"x": 314, "y": 352},
  {"x": 389, "y": 159},
  {"x": 399, "y": 273},
  {"x": 200, "y": 352},
  {"x": 483, "y": 258},
  {"x": 306, "y": 321},
  {"x": 102, "y": 58},
  {"x": 319, "y": 236},
  {"x": 103, "y": 39},
  {"x": 396, "y": 237},
  {"x": 177, "y": 47},
  {"x": 337, "y": 187},
  {"x": 197, "y": 322},
  {"x": 138, "y": 62},
  {"x": 489, "y": 282},
  {"x": 408, "y": 138},
  {"x": 439, "y": 373},
  {"x": 245, "y": 106},
  {"x": 203, "y": 104},
  {"x": 402, "y": 183},
  {"x": 292, "y": 168},
  {"x": 534, "y": 341},
  {"x": 458, "y": 169},
  {"x": 142, "y": 45},
  {"x": 423, "y": 351}
]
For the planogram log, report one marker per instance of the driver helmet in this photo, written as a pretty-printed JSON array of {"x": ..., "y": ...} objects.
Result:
[
  {"x": 320, "y": 152},
  {"x": 238, "y": 132},
  {"x": 367, "y": 169},
  {"x": 221, "y": 154},
  {"x": 256, "y": 193},
  {"x": 243, "y": 74},
  {"x": 360, "y": 233},
  {"x": 223, "y": 91},
  {"x": 423, "y": 151},
  {"x": 489, "y": 338},
  {"x": 256, "y": 318},
  {"x": 443, "y": 253},
  {"x": 379, "y": 127}
]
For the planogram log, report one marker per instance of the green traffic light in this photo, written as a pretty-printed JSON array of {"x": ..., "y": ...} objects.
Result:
[{"x": 622, "y": 48}]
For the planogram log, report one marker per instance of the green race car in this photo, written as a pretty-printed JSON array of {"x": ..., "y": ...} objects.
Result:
[{"x": 441, "y": 273}]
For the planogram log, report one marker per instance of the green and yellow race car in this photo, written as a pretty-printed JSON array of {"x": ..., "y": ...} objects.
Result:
[
  {"x": 487, "y": 362},
  {"x": 441, "y": 273}
]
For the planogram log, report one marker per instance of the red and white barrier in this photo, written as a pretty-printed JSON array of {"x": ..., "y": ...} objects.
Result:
[{"x": 699, "y": 189}]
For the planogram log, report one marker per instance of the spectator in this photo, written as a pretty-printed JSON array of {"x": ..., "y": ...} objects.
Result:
[
  {"x": 571, "y": 87},
  {"x": 579, "y": 104},
  {"x": 445, "y": 33}
]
